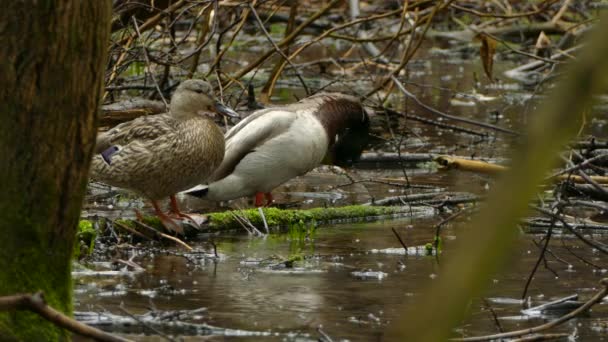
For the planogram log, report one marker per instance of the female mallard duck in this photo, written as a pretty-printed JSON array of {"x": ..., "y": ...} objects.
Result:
[
  {"x": 273, "y": 145},
  {"x": 160, "y": 155}
]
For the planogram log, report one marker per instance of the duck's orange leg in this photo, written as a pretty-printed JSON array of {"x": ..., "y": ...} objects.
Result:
[
  {"x": 175, "y": 210},
  {"x": 269, "y": 199},
  {"x": 259, "y": 199},
  {"x": 168, "y": 222}
]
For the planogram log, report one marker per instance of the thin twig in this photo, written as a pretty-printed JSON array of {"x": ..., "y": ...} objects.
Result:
[
  {"x": 487, "y": 305},
  {"x": 592, "y": 301},
  {"x": 151, "y": 328},
  {"x": 278, "y": 50},
  {"x": 150, "y": 72},
  {"x": 400, "y": 240},
  {"x": 448, "y": 116},
  {"x": 159, "y": 234},
  {"x": 36, "y": 303},
  {"x": 599, "y": 246},
  {"x": 505, "y": 16},
  {"x": 541, "y": 255},
  {"x": 287, "y": 40}
]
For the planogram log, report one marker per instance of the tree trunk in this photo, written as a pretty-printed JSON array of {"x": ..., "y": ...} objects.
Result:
[{"x": 52, "y": 61}]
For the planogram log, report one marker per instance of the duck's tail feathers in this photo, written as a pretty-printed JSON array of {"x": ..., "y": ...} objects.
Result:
[{"x": 199, "y": 191}]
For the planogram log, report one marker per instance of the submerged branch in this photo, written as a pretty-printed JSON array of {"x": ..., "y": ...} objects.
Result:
[{"x": 592, "y": 301}]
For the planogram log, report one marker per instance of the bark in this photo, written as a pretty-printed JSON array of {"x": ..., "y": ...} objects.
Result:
[{"x": 51, "y": 70}]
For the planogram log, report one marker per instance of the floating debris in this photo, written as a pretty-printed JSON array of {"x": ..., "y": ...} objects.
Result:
[
  {"x": 414, "y": 250},
  {"x": 369, "y": 274},
  {"x": 168, "y": 321},
  {"x": 557, "y": 307}
]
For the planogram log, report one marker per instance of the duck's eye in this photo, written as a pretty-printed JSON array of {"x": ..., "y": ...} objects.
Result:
[{"x": 199, "y": 91}]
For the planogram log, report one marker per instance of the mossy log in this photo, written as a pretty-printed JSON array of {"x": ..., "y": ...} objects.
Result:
[{"x": 277, "y": 218}]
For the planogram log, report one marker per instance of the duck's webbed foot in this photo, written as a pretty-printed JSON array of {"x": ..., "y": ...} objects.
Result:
[
  {"x": 174, "y": 211},
  {"x": 169, "y": 223}
]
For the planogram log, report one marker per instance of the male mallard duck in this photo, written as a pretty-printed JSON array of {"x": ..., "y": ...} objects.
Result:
[
  {"x": 273, "y": 145},
  {"x": 160, "y": 155}
]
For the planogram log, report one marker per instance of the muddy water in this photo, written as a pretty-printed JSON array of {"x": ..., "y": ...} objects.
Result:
[
  {"x": 328, "y": 288},
  {"x": 353, "y": 279}
]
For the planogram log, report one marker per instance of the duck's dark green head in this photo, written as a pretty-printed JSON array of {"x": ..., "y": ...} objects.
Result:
[
  {"x": 349, "y": 145},
  {"x": 347, "y": 125}
]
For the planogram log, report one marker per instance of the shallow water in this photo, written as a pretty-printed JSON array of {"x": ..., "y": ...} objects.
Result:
[
  {"x": 328, "y": 287},
  {"x": 347, "y": 282}
]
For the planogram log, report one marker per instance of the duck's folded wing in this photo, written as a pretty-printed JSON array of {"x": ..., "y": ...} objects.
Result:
[
  {"x": 251, "y": 133},
  {"x": 145, "y": 128},
  {"x": 257, "y": 115}
]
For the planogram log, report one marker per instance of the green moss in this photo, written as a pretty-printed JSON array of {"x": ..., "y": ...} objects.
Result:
[
  {"x": 285, "y": 218},
  {"x": 277, "y": 29},
  {"x": 300, "y": 231},
  {"x": 438, "y": 243},
  {"x": 428, "y": 248},
  {"x": 34, "y": 278},
  {"x": 466, "y": 19},
  {"x": 136, "y": 69},
  {"x": 279, "y": 217},
  {"x": 85, "y": 236},
  {"x": 151, "y": 221},
  {"x": 34, "y": 261}
]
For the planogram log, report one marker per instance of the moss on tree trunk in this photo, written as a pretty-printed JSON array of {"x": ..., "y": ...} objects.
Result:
[{"x": 52, "y": 65}]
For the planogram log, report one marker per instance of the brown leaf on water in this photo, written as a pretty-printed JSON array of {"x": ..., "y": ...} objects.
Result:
[{"x": 486, "y": 52}]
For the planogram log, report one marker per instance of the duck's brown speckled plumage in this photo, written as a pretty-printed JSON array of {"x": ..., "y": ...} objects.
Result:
[{"x": 163, "y": 154}]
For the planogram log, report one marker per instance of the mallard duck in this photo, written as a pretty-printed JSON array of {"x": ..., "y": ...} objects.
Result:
[
  {"x": 273, "y": 145},
  {"x": 160, "y": 155}
]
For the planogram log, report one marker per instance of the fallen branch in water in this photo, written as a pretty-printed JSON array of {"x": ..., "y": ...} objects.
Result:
[
  {"x": 36, "y": 304},
  {"x": 586, "y": 190},
  {"x": 153, "y": 230},
  {"x": 448, "y": 163},
  {"x": 451, "y": 117},
  {"x": 579, "y": 224},
  {"x": 592, "y": 301},
  {"x": 432, "y": 198},
  {"x": 440, "y": 124},
  {"x": 527, "y": 30},
  {"x": 392, "y": 157}
]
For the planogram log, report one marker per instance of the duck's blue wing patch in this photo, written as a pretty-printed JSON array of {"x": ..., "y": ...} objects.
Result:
[{"x": 108, "y": 152}]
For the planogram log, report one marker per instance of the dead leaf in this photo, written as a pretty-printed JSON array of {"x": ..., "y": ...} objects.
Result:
[
  {"x": 542, "y": 47},
  {"x": 543, "y": 41},
  {"x": 486, "y": 52}
]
